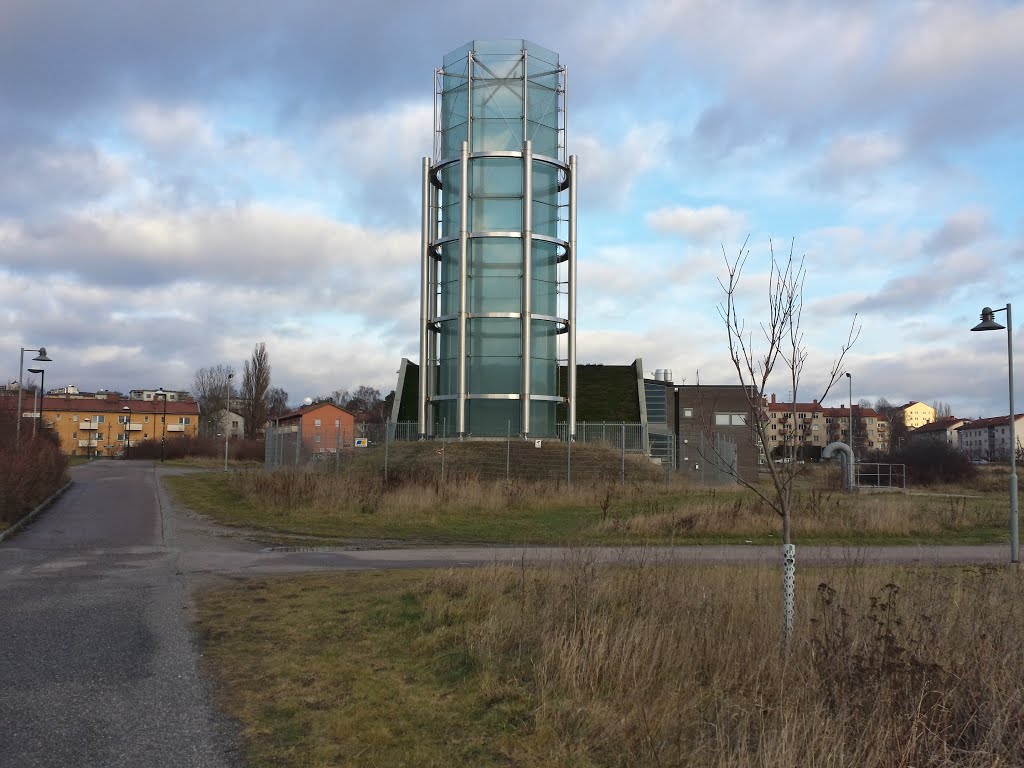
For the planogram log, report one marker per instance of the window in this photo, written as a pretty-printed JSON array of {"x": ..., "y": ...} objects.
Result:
[
  {"x": 337, "y": 422},
  {"x": 316, "y": 438},
  {"x": 687, "y": 413},
  {"x": 316, "y": 422},
  {"x": 99, "y": 419},
  {"x": 234, "y": 423},
  {"x": 75, "y": 418},
  {"x": 184, "y": 419},
  {"x": 146, "y": 420},
  {"x": 120, "y": 437},
  {"x": 74, "y": 435},
  {"x": 122, "y": 419},
  {"x": 730, "y": 419}
]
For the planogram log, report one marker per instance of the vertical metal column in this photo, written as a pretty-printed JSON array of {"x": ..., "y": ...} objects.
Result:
[
  {"x": 571, "y": 384},
  {"x": 432, "y": 333},
  {"x": 527, "y": 312},
  {"x": 424, "y": 299},
  {"x": 463, "y": 272}
]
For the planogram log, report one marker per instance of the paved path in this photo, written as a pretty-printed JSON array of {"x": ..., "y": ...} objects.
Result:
[
  {"x": 98, "y": 666},
  {"x": 97, "y": 663}
]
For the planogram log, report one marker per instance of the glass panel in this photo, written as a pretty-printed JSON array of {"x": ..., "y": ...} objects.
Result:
[
  {"x": 494, "y": 375},
  {"x": 496, "y": 215},
  {"x": 495, "y": 294},
  {"x": 493, "y": 418},
  {"x": 494, "y": 337},
  {"x": 542, "y": 419},
  {"x": 498, "y": 98},
  {"x": 497, "y": 134},
  {"x": 539, "y": 53},
  {"x": 497, "y": 176},
  {"x": 457, "y": 58}
]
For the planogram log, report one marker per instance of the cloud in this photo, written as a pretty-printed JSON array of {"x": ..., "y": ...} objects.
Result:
[
  {"x": 609, "y": 169},
  {"x": 714, "y": 223},
  {"x": 855, "y": 157},
  {"x": 961, "y": 229}
]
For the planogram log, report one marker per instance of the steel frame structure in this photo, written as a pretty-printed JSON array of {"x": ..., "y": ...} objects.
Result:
[{"x": 431, "y": 277}]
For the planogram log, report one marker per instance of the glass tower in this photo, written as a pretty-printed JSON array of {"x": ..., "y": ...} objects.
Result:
[{"x": 498, "y": 273}]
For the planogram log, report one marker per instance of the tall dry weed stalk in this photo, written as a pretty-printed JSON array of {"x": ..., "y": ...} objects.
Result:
[{"x": 644, "y": 664}]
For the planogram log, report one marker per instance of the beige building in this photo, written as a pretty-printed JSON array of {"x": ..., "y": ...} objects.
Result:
[
  {"x": 815, "y": 426},
  {"x": 917, "y": 414},
  {"x": 989, "y": 439}
]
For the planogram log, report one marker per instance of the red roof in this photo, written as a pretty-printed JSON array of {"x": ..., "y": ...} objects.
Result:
[
  {"x": 188, "y": 407},
  {"x": 302, "y": 410}
]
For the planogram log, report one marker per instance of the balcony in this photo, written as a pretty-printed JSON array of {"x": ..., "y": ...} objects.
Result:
[
  {"x": 85, "y": 424},
  {"x": 132, "y": 427},
  {"x": 176, "y": 427},
  {"x": 87, "y": 443}
]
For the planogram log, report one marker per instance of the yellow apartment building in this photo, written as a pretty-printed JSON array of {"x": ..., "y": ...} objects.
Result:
[
  {"x": 103, "y": 426},
  {"x": 917, "y": 414}
]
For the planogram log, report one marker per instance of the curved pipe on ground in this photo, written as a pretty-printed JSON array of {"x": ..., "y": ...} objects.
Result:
[{"x": 846, "y": 452}]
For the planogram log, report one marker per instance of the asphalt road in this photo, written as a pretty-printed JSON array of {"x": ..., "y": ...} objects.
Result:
[{"x": 99, "y": 666}]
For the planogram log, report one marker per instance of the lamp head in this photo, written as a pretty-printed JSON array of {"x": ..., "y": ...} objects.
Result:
[
  {"x": 126, "y": 408},
  {"x": 36, "y": 370},
  {"x": 41, "y": 357},
  {"x": 849, "y": 375},
  {"x": 988, "y": 322}
]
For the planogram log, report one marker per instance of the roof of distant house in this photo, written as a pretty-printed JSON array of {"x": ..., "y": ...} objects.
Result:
[
  {"x": 112, "y": 405},
  {"x": 994, "y": 421},
  {"x": 939, "y": 425},
  {"x": 304, "y": 409}
]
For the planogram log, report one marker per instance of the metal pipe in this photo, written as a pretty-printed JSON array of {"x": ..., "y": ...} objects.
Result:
[
  {"x": 571, "y": 383},
  {"x": 463, "y": 272},
  {"x": 527, "y": 314},
  {"x": 424, "y": 297}
]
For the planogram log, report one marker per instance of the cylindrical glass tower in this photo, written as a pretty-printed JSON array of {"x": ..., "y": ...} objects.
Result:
[{"x": 498, "y": 256}]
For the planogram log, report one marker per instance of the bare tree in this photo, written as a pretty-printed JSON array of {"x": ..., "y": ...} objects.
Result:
[
  {"x": 210, "y": 390},
  {"x": 277, "y": 402},
  {"x": 775, "y": 348},
  {"x": 942, "y": 410},
  {"x": 255, "y": 384}
]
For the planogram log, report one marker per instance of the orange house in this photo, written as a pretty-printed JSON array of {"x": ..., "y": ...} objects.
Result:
[
  {"x": 322, "y": 427},
  {"x": 101, "y": 426}
]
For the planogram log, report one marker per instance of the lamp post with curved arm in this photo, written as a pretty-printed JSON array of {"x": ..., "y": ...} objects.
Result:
[
  {"x": 988, "y": 323},
  {"x": 42, "y": 358}
]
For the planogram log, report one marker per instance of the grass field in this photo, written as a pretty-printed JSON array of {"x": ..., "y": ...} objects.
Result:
[
  {"x": 635, "y": 665},
  {"x": 357, "y": 505}
]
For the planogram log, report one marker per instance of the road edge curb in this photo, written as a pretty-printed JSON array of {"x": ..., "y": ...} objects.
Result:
[{"x": 9, "y": 532}]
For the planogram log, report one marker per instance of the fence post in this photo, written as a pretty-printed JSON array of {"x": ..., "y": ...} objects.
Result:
[
  {"x": 622, "y": 469},
  {"x": 387, "y": 443},
  {"x": 508, "y": 449},
  {"x": 298, "y": 442},
  {"x": 444, "y": 438},
  {"x": 337, "y": 443},
  {"x": 568, "y": 461}
]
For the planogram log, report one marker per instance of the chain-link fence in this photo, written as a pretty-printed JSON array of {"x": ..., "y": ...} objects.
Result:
[{"x": 618, "y": 451}]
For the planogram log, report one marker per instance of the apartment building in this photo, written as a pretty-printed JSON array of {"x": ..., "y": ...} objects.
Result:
[
  {"x": 989, "y": 439},
  {"x": 917, "y": 414},
  {"x": 101, "y": 425},
  {"x": 322, "y": 427},
  {"x": 944, "y": 430},
  {"x": 806, "y": 428}
]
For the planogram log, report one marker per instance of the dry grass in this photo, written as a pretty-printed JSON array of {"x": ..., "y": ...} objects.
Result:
[
  {"x": 635, "y": 665},
  {"x": 358, "y": 503}
]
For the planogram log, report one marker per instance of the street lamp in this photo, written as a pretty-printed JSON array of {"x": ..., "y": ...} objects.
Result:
[
  {"x": 42, "y": 393},
  {"x": 988, "y": 323},
  {"x": 849, "y": 376},
  {"x": 227, "y": 422},
  {"x": 128, "y": 433},
  {"x": 163, "y": 435},
  {"x": 42, "y": 358}
]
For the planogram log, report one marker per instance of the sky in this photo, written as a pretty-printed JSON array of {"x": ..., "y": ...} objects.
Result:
[{"x": 180, "y": 181}]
